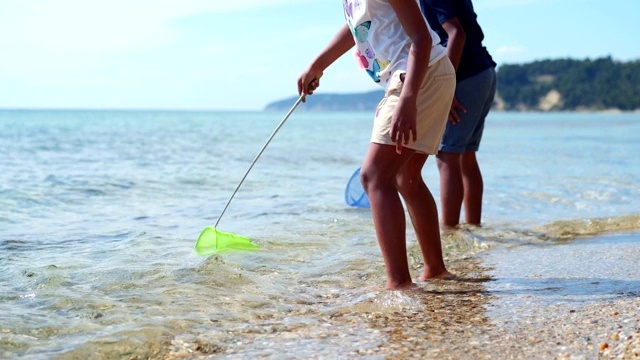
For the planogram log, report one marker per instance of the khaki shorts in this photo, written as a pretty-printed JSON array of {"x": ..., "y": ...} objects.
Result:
[{"x": 434, "y": 103}]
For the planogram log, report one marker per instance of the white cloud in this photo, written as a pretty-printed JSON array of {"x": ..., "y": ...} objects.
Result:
[
  {"x": 510, "y": 54},
  {"x": 492, "y": 4},
  {"x": 507, "y": 50},
  {"x": 40, "y": 38},
  {"x": 82, "y": 27},
  {"x": 120, "y": 52}
]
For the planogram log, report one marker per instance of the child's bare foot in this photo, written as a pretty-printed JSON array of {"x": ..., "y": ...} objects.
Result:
[
  {"x": 444, "y": 275},
  {"x": 404, "y": 286}
]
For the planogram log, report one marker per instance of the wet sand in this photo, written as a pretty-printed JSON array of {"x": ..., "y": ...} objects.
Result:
[
  {"x": 577, "y": 299},
  {"x": 573, "y": 300}
]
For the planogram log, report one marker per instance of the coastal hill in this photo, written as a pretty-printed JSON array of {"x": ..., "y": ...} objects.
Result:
[
  {"x": 333, "y": 102},
  {"x": 546, "y": 85}
]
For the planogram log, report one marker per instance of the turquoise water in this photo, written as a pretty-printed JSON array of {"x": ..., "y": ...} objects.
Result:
[{"x": 100, "y": 210}]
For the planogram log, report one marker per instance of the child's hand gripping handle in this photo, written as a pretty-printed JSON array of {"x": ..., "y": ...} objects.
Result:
[{"x": 312, "y": 85}]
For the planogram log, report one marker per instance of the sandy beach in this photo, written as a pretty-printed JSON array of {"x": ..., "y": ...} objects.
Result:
[{"x": 576, "y": 300}]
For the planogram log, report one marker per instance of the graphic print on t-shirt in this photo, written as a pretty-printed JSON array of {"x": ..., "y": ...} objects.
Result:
[{"x": 365, "y": 54}]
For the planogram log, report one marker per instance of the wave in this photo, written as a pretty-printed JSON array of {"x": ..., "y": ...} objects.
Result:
[{"x": 467, "y": 241}]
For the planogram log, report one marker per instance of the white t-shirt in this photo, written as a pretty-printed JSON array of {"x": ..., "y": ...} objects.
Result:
[{"x": 382, "y": 46}]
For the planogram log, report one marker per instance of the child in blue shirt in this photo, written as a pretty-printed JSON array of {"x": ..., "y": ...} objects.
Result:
[{"x": 461, "y": 181}]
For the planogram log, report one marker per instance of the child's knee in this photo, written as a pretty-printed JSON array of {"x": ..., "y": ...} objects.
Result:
[
  {"x": 374, "y": 177},
  {"x": 408, "y": 184},
  {"x": 365, "y": 178}
]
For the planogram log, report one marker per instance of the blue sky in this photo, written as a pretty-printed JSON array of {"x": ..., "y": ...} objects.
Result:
[{"x": 244, "y": 54}]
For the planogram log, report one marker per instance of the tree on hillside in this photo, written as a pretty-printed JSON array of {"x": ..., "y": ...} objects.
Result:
[{"x": 591, "y": 84}]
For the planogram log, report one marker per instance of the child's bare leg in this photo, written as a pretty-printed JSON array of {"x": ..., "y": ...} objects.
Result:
[
  {"x": 378, "y": 179},
  {"x": 473, "y": 188},
  {"x": 424, "y": 216},
  {"x": 451, "y": 188}
]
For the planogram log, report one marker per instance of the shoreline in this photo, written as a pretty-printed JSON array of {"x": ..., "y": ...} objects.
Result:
[
  {"x": 579, "y": 298},
  {"x": 504, "y": 305},
  {"x": 526, "y": 301}
]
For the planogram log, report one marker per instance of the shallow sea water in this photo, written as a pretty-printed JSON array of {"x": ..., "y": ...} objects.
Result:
[
  {"x": 563, "y": 272},
  {"x": 100, "y": 210}
]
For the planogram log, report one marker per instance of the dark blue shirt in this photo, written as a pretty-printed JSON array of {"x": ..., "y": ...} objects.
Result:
[{"x": 475, "y": 57}]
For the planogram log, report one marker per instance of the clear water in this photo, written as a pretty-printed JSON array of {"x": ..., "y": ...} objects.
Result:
[{"x": 100, "y": 210}]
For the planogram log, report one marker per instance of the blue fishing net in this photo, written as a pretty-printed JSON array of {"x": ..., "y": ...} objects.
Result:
[{"x": 354, "y": 194}]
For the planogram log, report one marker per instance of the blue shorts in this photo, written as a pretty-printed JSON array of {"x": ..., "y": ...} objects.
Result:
[{"x": 476, "y": 95}]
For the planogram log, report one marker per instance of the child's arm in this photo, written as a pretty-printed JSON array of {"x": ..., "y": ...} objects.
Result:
[
  {"x": 455, "y": 45},
  {"x": 403, "y": 125},
  {"x": 341, "y": 43},
  {"x": 457, "y": 37}
]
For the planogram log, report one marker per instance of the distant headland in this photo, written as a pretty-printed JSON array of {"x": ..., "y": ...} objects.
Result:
[{"x": 547, "y": 85}]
